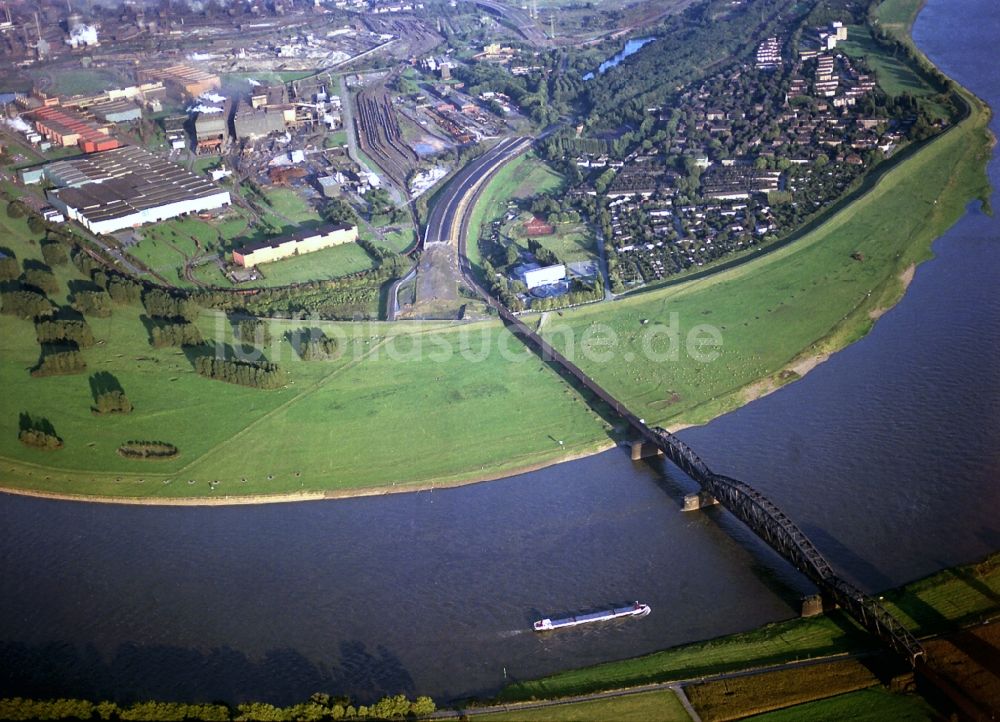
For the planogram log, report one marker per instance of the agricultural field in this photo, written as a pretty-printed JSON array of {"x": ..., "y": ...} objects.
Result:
[
  {"x": 773, "y": 644},
  {"x": 660, "y": 706},
  {"x": 739, "y": 697},
  {"x": 867, "y": 705}
]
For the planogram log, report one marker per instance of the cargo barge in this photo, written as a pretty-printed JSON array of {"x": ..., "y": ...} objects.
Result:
[{"x": 636, "y": 610}]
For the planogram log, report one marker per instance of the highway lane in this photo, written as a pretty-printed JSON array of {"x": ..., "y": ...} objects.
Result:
[{"x": 443, "y": 223}]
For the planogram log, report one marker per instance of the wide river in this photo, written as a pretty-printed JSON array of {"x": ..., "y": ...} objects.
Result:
[{"x": 888, "y": 456}]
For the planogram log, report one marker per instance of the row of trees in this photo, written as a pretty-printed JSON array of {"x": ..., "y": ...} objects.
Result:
[
  {"x": 252, "y": 332},
  {"x": 62, "y": 330},
  {"x": 26, "y": 304},
  {"x": 93, "y": 302},
  {"x": 59, "y": 361},
  {"x": 162, "y": 304},
  {"x": 178, "y": 334},
  {"x": 258, "y": 375},
  {"x": 319, "y": 707},
  {"x": 147, "y": 450}
]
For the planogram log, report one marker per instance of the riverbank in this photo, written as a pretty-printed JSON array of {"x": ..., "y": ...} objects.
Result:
[
  {"x": 942, "y": 603},
  {"x": 393, "y": 414}
]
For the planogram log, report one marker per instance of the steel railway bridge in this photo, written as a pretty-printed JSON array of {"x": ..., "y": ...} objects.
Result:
[{"x": 751, "y": 507}]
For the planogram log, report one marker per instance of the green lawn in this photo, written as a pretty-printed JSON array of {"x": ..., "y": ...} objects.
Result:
[
  {"x": 894, "y": 76},
  {"x": 79, "y": 81},
  {"x": 289, "y": 204},
  {"x": 660, "y": 706},
  {"x": 329, "y": 263},
  {"x": 772, "y": 644},
  {"x": 867, "y": 705}
]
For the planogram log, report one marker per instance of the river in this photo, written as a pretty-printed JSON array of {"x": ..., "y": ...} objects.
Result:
[
  {"x": 632, "y": 47},
  {"x": 886, "y": 455}
]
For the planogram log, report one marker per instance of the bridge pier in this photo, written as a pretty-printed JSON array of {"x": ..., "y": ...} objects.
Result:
[
  {"x": 699, "y": 500},
  {"x": 645, "y": 450},
  {"x": 817, "y": 604}
]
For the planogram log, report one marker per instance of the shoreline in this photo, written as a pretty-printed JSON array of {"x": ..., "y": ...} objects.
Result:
[{"x": 794, "y": 370}]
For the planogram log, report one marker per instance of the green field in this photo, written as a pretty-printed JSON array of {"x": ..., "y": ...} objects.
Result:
[
  {"x": 79, "y": 81},
  {"x": 290, "y": 205},
  {"x": 867, "y": 705},
  {"x": 660, "y": 706},
  {"x": 318, "y": 265},
  {"x": 894, "y": 76}
]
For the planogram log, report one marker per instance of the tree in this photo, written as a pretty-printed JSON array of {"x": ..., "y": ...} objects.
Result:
[
  {"x": 54, "y": 253},
  {"x": 339, "y": 212},
  {"x": 42, "y": 279}
]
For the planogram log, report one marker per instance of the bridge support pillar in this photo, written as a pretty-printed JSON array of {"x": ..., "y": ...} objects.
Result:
[
  {"x": 645, "y": 450},
  {"x": 817, "y": 604},
  {"x": 694, "y": 502}
]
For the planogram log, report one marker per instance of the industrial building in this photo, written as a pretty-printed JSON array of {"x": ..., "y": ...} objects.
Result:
[
  {"x": 126, "y": 187},
  {"x": 211, "y": 126},
  {"x": 67, "y": 127},
  {"x": 535, "y": 277},
  {"x": 251, "y": 123},
  {"x": 277, "y": 248},
  {"x": 116, "y": 111},
  {"x": 182, "y": 79}
]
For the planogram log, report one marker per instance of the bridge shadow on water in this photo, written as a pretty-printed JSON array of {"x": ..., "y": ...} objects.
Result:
[{"x": 138, "y": 672}]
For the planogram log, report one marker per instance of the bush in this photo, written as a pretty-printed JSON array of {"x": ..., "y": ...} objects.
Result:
[
  {"x": 112, "y": 402},
  {"x": 95, "y": 303},
  {"x": 38, "y": 439},
  {"x": 42, "y": 279},
  {"x": 36, "y": 224},
  {"x": 9, "y": 269},
  {"x": 16, "y": 209}
]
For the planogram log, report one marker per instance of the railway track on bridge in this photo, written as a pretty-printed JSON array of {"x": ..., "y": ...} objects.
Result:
[{"x": 750, "y": 506}]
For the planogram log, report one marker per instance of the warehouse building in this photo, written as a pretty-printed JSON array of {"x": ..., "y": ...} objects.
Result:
[
  {"x": 127, "y": 187},
  {"x": 182, "y": 79},
  {"x": 116, "y": 111},
  {"x": 277, "y": 248},
  {"x": 68, "y": 127}
]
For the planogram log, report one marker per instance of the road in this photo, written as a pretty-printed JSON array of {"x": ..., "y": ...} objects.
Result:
[
  {"x": 443, "y": 223},
  {"x": 519, "y": 19}
]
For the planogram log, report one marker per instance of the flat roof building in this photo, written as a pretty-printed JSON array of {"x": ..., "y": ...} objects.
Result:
[
  {"x": 183, "y": 79},
  {"x": 126, "y": 187},
  {"x": 275, "y": 249},
  {"x": 535, "y": 277},
  {"x": 67, "y": 127},
  {"x": 116, "y": 111}
]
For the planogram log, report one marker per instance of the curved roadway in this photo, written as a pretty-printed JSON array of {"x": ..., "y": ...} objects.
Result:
[{"x": 449, "y": 210}]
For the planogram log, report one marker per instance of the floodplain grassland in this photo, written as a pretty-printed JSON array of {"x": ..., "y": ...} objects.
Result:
[
  {"x": 658, "y": 706},
  {"x": 773, "y": 644},
  {"x": 804, "y": 300},
  {"x": 339, "y": 425}
]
